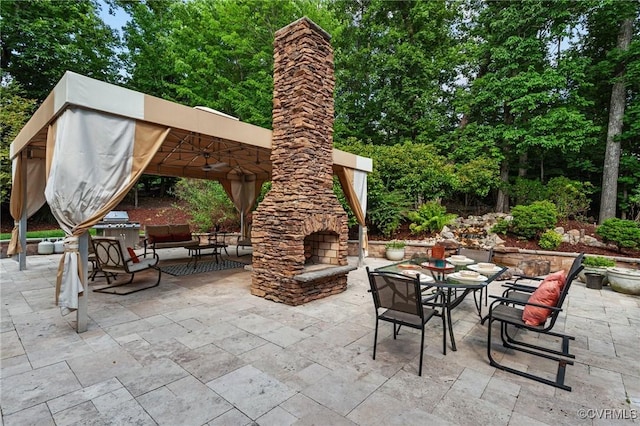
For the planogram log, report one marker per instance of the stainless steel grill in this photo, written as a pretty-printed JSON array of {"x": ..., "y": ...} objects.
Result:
[{"x": 116, "y": 224}]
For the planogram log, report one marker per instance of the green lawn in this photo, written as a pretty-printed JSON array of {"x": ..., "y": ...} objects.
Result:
[{"x": 55, "y": 233}]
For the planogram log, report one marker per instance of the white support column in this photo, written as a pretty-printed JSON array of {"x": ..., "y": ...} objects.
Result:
[
  {"x": 22, "y": 225},
  {"x": 360, "y": 246},
  {"x": 81, "y": 313}
]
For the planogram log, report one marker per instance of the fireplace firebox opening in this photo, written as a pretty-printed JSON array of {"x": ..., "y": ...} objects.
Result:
[{"x": 321, "y": 248}]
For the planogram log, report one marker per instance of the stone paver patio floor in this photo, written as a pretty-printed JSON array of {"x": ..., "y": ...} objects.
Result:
[{"x": 200, "y": 349}]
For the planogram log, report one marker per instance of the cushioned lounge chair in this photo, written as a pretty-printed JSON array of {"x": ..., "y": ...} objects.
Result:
[{"x": 113, "y": 259}]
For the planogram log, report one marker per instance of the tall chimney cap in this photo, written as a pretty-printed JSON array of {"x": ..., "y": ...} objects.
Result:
[{"x": 309, "y": 22}]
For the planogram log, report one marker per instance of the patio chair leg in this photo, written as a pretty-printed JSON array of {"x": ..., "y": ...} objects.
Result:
[
  {"x": 421, "y": 351},
  {"x": 109, "y": 289},
  {"x": 375, "y": 339},
  {"x": 509, "y": 342},
  {"x": 560, "y": 374}
]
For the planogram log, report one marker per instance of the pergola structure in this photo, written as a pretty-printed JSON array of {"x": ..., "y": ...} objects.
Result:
[{"x": 89, "y": 142}]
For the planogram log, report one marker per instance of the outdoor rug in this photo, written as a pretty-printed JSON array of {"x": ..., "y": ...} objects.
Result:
[{"x": 188, "y": 269}]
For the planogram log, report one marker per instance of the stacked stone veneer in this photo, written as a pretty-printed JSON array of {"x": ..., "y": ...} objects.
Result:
[{"x": 301, "y": 203}]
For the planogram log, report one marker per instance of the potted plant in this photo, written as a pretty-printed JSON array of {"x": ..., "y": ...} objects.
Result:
[
  {"x": 624, "y": 280},
  {"x": 395, "y": 250},
  {"x": 596, "y": 265}
]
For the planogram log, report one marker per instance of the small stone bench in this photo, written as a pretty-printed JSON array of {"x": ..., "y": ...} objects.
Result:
[{"x": 331, "y": 271}]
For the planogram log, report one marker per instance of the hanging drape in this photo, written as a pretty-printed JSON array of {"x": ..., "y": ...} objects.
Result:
[
  {"x": 354, "y": 186},
  {"x": 95, "y": 159},
  {"x": 243, "y": 190},
  {"x": 35, "y": 176},
  {"x": 16, "y": 205}
]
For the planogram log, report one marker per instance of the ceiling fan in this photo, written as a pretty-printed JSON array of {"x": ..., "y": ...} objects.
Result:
[{"x": 211, "y": 167}]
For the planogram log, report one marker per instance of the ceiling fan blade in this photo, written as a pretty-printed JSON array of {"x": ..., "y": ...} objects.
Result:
[{"x": 213, "y": 167}]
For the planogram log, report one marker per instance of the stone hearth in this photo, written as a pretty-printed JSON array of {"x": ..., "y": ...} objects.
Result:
[{"x": 300, "y": 226}]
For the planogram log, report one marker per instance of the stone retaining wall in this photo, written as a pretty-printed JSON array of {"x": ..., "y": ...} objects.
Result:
[{"x": 507, "y": 256}]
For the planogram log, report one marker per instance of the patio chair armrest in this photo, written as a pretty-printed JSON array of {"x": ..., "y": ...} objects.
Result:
[
  {"x": 520, "y": 287},
  {"x": 525, "y": 277},
  {"x": 500, "y": 299},
  {"x": 153, "y": 254},
  {"x": 431, "y": 299},
  {"x": 509, "y": 287}
]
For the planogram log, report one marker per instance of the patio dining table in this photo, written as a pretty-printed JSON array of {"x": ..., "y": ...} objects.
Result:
[{"x": 446, "y": 278}]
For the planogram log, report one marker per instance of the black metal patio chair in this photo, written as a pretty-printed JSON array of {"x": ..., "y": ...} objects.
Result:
[
  {"x": 398, "y": 299},
  {"x": 508, "y": 312}
]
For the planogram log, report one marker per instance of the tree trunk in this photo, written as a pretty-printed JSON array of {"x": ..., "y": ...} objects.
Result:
[
  {"x": 523, "y": 165},
  {"x": 616, "y": 113},
  {"x": 502, "y": 203}
]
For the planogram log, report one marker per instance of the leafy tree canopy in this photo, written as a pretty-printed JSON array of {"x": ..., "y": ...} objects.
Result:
[{"x": 42, "y": 39}]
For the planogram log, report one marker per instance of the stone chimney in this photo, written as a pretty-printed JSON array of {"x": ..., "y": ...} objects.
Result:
[{"x": 299, "y": 232}]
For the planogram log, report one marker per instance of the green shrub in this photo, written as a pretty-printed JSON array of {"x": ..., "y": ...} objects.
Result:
[
  {"x": 430, "y": 217},
  {"x": 526, "y": 191},
  {"x": 623, "y": 233},
  {"x": 387, "y": 211},
  {"x": 207, "y": 202},
  {"x": 415, "y": 170},
  {"x": 598, "y": 262},
  {"x": 550, "y": 240},
  {"x": 477, "y": 177},
  {"x": 571, "y": 197},
  {"x": 501, "y": 226},
  {"x": 530, "y": 221}
]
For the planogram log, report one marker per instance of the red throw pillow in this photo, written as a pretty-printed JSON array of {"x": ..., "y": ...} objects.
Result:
[
  {"x": 548, "y": 294},
  {"x": 133, "y": 255},
  {"x": 560, "y": 276},
  {"x": 181, "y": 237},
  {"x": 162, "y": 239}
]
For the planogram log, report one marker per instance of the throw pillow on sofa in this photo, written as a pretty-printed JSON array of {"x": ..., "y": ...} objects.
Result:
[
  {"x": 181, "y": 237},
  {"x": 161, "y": 239}
]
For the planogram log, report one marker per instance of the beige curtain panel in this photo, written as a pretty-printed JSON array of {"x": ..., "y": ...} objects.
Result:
[
  {"x": 96, "y": 159},
  {"x": 243, "y": 190},
  {"x": 36, "y": 178}
]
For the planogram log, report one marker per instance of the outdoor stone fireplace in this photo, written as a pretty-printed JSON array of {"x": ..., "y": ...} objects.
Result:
[{"x": 299, "y": 231}]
